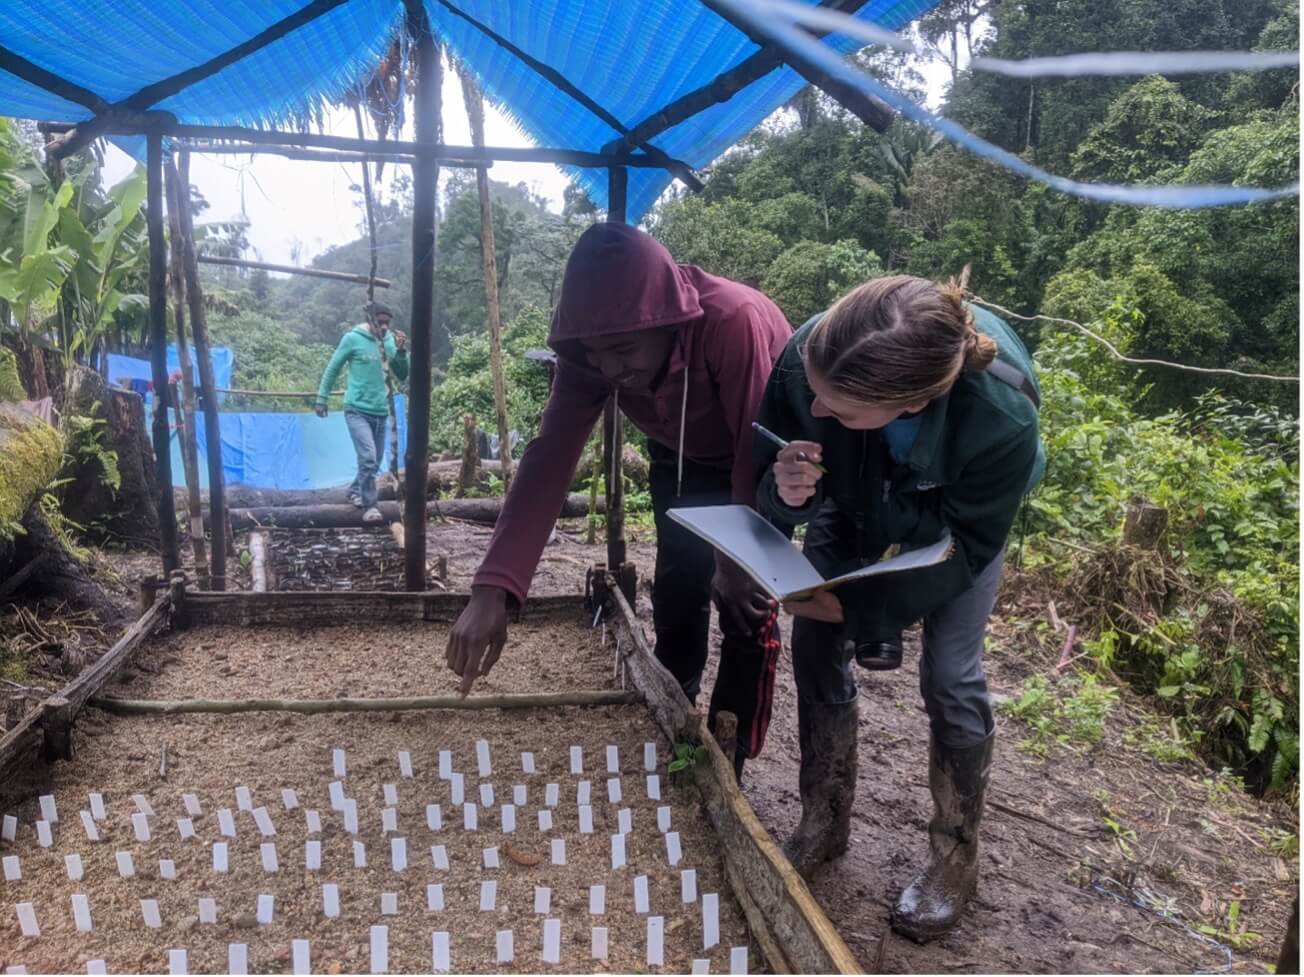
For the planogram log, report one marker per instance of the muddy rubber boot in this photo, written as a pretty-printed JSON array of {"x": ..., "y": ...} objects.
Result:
[
  {"x": 827, "y": 783},
  {"x": 935, "y": 900}
]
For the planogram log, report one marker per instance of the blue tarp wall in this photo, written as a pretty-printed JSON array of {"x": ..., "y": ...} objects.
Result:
[
  {"x": 130, "y": 368},
  {"x": 284, "y": 451}
]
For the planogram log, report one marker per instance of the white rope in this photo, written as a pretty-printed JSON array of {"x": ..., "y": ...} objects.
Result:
[{"x": 1118, "y": 355}]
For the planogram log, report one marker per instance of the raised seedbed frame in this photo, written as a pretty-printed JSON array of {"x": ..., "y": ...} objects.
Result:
[{"x": 787, "y": 923}]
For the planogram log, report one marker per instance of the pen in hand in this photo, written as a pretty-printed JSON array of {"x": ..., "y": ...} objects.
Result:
[{"x": 771, "y": 436}]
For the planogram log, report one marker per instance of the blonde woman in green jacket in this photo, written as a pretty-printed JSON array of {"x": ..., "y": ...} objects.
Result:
[{"x": 366, "y": 405}]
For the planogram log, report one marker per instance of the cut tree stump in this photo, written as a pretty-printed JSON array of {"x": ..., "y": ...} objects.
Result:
[{"x": 1145, "y": 524}]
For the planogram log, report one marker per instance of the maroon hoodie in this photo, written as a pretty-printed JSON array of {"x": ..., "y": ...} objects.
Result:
[{"x": 728, "y": 336}]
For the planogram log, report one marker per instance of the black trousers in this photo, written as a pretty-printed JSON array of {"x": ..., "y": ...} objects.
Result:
[
  {"x": 681, "y": 594},
  {"x": 951, "y": 678}
]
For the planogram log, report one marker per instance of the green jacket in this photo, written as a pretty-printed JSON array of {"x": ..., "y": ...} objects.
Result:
[
  {"x": 366, "y": 391},
  {"x": 977, "y": 454}
]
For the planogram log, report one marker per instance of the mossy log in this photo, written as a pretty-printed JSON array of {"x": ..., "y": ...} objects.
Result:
[{"x": 30, "y": 454}]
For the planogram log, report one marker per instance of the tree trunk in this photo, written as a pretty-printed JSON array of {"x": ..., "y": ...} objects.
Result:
[
  {"x": 129, "y": 513},
  {"x": 470, "y": 456},
  {"x": 475, "y": 114},
  {"x": 350, "y": 517},
  {"x": 1145, "y": 524}
]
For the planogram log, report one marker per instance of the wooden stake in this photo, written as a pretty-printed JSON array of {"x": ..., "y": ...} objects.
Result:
[
  {"x": 207, "y": 388},
  {"x": 425, "y": 178},
  {"x": 544, "y": 700},
  {"x": 466, "y": 478},
  {"x": 189, "y": 445},
  {"x": 475, "y": 114},
  {"x": 158, "y": 342}
]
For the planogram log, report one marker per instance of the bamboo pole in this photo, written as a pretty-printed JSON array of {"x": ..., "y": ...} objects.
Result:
[
  {"x": 474, "y": 100},
  {"x": 313, "y": 707},
  {"x": 207, "y": 388},
  {"x": 158, "y": 342},
  {"x": 189, "y": 445},
  {"x": 425, "y": 179},
  {"x": 335, "y": 276}
]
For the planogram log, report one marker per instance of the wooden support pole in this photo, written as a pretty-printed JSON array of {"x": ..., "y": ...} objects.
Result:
[
  {"x": 313, "y": 707},
  {"x": 613, "y": 425},
  {"x": 207, "y": 387},
  {"x": 189, "y": 438},
  {"x": 425, "y": 178},
  {"x": 335, "y": 276},
  {"x": 475, "y": 114},
  {"x": 158, "y": 350}
]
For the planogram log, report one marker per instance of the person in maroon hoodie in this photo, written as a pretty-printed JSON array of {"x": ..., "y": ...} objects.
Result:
[{"x": 687, "y": 356}]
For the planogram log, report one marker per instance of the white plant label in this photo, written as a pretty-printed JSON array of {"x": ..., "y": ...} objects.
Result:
[
  {"x": 617, "y": 851},
  {"x": 656, "y": 940},
  {"x": 167, "y": 869},
  {"x": 313, "y": 820},
  {"x": 457, "y": 788},
  {"x": 266, "y": 907},
  {"x": 398, "y": 854},
  {"x": 710, "y": 920},
  {"x": 482, "y": 758},
  {"x": 177, "y": 963},
  {"x": 44, "y": 836},
  {"x": 268, "y": 851},
  {"x": 551, "y": 795},
  {"x": 330, "y": 900},
  {"x": 613, "y": 791},
  {"x": 440, "y": 961},
  {"x": 640, "y": 894},
  {"x": 225, "y": 823},
  {"x": 434, "y": 817},
  {"x": 405, "y": 764},
  {"x": 302, "y": 956},
  {"x": 380, "y": 949},
  {"x": 351, "y": 815},
  {"x": 558, "y": 851},
  {"x": 435, "y": 897},
  {"x": 185, "y": 828},
  {"x": 389, "y": 820},
  {"x": 126, "y": 868},
  {"x": 649, "y": 756},
  {"x": 439, "y": 854},
  {"x": 48, "y": 811},
  {"x": 583, "y": 792},
  {"x": 486, "y": 795},
  {"x": 359, "y": 855},
  {"x": 237, "y": 959},
  {"x": 96, "y": 967},
  {"x": 509, "y": 818},
  {"x": 208, "y": 910},
  {"x": 552, "y": 941},
  {"x": 688, "y": 885},
  {"x": 389, "y": 903},
  {"x": 488, "y": 896},
  {"x": 624, "y": 821},
  {"x": 503, "y": 946},
  {"x": 148, "y": 910},
  {"x": 244, "y": 801},
  {"x": 576, "y": 760},
  {"x": 663, "y": 819},
  {"x": 264, "y": 821},
  {"x": 13, "y": 870},
  {"x": 469, "y": 817},
  {"x": 289, "y": 799},
  {"x": 542, "y": 899},
  {"x": 653, "y": 787},
  {"x": 312, "y": 856},
  {"x": 527, "y": 763},
  {"x": 597, "y": 900},
  {"x": 391, "y": 795},
  {"x": 97, "y": 806},
  {"x": 81, "y": 913},
  {"x": 9, "y": 831},
  {"x": 73, "y": 864},
  {"x": 143, "y": 805},
  {"x": 598, "y": 943},
  {"x": 701, "y": 966},
  {"x": 89, "y": 826},
  {"x": 545, "y": 820},
  {"x": 27, "y": 920},
  {"x": 336, "y": 791},
  {"x": 613, "y": 760},
  {"x": 192, "y": 805},
  {"x": 586, "y": 819},
  {"x": 490, "y": 856},
  {"x": 219, "y": 856},
  {"x": 445, "y": 765},
  {"x": 519, "y": 795},
  {"x": 338, "y": 762},
  {"x": 674, "y": 853},
  {"x": 738, "y": 960}
]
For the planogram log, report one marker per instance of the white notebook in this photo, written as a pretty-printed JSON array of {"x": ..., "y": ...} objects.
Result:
[{"x": 775, "y": 563}]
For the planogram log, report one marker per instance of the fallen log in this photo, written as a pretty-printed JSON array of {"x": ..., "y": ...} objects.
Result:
[
  {"x": 544, "y": 700},
  {"x": 347, "y": 517}
]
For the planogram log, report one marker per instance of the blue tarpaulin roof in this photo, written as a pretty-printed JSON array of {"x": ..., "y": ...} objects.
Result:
[{"x": 632, "y": 58}]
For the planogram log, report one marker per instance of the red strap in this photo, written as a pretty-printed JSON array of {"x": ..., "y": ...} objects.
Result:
[{"x": 768, "y": 641}]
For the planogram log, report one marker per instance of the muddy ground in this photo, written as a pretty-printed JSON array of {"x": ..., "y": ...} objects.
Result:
[{"x": 1094, "y": 860}]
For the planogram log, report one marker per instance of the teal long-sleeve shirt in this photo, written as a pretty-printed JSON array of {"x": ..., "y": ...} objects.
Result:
[{"x": 366, "y": 391}]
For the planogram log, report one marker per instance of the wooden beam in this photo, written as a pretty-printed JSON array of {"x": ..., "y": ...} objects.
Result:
[
  {"x": 28, "y": 71},
  {"x": 207, "y": 385},
  {"x": 337, "y": 276},
  {"x": 315, "y": 707},
  {"x": 613, "y": 424},
  {"x": 158, "y": 351},
  {"x": 152, "y": 94},
  {"x": 869, "y": 110},
  {"x": 425, "y": 179},
  {"x": 677, "y": 167},
  {"x": 724, "y": 87}
]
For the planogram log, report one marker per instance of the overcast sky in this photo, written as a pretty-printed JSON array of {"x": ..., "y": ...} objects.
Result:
[{"x": 310, "y": 205}]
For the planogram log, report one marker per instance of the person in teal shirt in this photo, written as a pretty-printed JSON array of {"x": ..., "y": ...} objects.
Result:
[{"x": 366, "y": 403}]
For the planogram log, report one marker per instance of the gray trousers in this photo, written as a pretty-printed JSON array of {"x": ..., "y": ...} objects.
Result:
[
  {"x": 951, "y": 675},
  {"x": 368, "y": 433}
]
